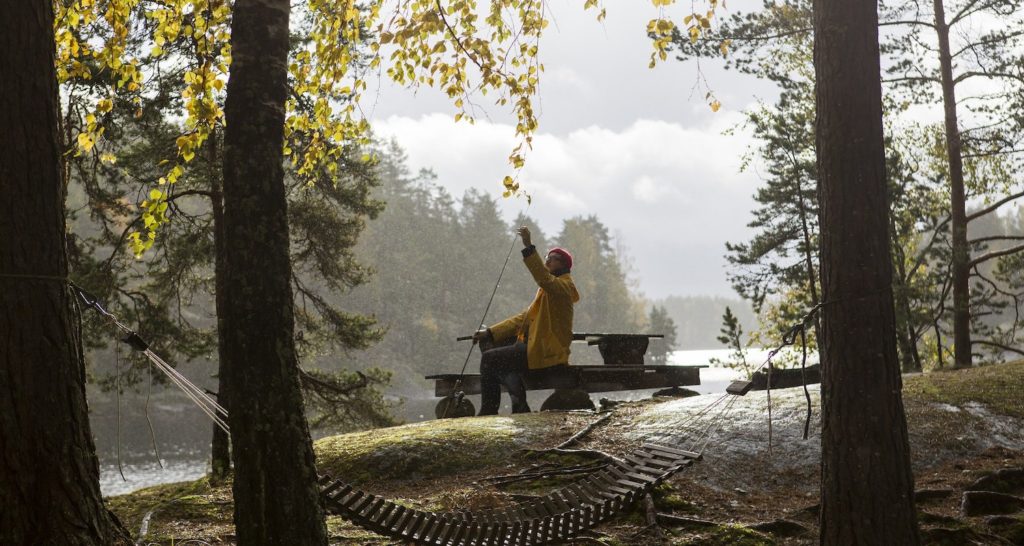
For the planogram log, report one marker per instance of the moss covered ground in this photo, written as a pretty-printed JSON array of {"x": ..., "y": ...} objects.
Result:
[
  {"x": 998, "y": 387},
  {"x": 444, "y": 465}
]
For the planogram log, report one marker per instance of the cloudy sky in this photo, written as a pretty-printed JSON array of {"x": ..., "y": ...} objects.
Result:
[{"x": 637, "y": 147}]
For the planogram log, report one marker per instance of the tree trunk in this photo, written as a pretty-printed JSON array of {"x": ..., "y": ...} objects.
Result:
[
  {"x": 220, "y": 443},
  {"x": 866, "y": 481},
  {"x": 958, "y": 201},
  {"x": 275, "y": 490},
  {"x": 910, "y": 357},
  {"x": 49, "y": 474}
]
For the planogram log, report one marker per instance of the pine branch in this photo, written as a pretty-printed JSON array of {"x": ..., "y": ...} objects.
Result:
[
  {"x": 994, "y": 206},
  {"x": 994, "y": 254},
  {"x": 996, "y": 345}
]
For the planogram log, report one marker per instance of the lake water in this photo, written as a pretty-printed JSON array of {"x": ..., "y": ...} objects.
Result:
[{"x": 181, "y": 432}]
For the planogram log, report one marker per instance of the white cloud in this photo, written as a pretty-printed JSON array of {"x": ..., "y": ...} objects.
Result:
[
  {"x": 673, "y": 194},
  {"x": 637, "y": 147}
]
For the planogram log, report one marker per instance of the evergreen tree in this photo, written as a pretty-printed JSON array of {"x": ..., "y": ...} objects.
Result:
[
  {"x": 275, "y": 490},
  {"x": 606, "y": 304},
  {"x": 867, "y": 485},
  {"x": 731, "y": 335},
  {"x": 660, "y": 323},
  {"x": 49, "y": 475}
]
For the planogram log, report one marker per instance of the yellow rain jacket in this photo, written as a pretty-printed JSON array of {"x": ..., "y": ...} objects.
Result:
[{"x": 548, "y": 320}]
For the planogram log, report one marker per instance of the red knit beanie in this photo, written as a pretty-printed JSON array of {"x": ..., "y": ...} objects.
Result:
[{"x": 564, "y": 254}]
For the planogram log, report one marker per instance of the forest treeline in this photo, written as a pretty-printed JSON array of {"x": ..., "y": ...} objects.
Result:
[
  {"x": 413, "y": 277},
  {"x": 436, "y": 257}
]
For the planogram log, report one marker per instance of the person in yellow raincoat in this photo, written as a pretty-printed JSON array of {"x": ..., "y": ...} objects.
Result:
[{"x": 536, "y": 339}]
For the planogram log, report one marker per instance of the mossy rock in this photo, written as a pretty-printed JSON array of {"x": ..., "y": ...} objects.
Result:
[
  {"x": 568, "y": 399},
  {"x": 996, "y": 386},
  {"x": 1004, "y": 480},
  {"x": 959, "y": 536},
  {"x": 675, "y": 392},
  {"x": 987, "y": 503},
  {"x": 1014, "y": 532},
  {"x": 928, "y": 518},
  {"x": 177, "y": 511},
  {"x": 427, "y": 450}
]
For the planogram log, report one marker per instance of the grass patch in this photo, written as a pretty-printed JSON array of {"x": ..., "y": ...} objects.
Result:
[
  {"x": 997, "y": 386},
  {"x": 180, "y": 511},
  {"x": 666, "y": 497}
]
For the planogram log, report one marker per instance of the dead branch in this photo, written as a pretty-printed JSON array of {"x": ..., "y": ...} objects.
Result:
[
  {"x": 996, "y": 238},
  {"x": 541, "y": 474},
  {"x": 581, "y": 434},
  {"x": 681, "y": 521},
  {"x": 588, "y": 453}
]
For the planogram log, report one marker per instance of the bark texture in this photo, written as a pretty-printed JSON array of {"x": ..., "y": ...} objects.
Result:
[
  {"x": 276, "y": 498},
  {"x": 49, "y": 474},
  {"x": 867, "y": 485}
]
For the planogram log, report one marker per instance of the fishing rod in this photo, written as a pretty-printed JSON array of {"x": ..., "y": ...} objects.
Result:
[{"x": 459, "y": 394}]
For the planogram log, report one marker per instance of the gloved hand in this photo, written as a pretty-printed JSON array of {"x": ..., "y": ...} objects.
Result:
[{"x": 483, "y": 334}]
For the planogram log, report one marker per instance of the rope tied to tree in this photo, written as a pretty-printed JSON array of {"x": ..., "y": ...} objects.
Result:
[{"x": 197, "y": 395}]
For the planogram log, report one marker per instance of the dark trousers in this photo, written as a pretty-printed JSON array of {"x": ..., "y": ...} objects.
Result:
[{"x": 503, "y": 366}]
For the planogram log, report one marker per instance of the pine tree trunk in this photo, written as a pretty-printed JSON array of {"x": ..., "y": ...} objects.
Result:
[
  {"x": 275, "y": 493},
  {"x": 49, "y": 474},
  {"x": 866, "y": 480},
  {"x": 220, "y": 442},
  {"x": 958, "y": 201}
]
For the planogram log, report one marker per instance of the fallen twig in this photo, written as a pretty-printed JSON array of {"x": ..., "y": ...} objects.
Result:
[
  {"x": 591, "y": 453},
  {"x": 579, "y": 435},
  {"x": 546, "y": 473},
  {"x": 680, "y": 520}
]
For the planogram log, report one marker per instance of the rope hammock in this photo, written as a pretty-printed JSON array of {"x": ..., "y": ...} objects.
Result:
[{"x": 556, "y": 516}]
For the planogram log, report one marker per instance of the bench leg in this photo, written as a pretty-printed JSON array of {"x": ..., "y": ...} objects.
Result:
[
  {"x": 446, "y": 408},
  {"x": 568, "y": 399},
  {"x": 675, "y": 392}
]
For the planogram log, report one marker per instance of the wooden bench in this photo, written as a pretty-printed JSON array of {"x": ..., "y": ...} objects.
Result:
[{"x": 623, "y": 370}]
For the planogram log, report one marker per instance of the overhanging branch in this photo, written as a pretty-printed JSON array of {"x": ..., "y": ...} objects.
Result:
[
  {"x": 994, "y": 254},
  {"x": 996, "y": 345},
  {"x": 994, "y": 206}
]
